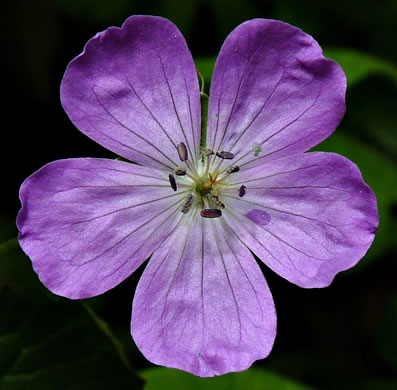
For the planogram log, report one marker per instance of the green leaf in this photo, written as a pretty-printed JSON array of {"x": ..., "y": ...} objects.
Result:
[
  {"x": 104, "y": 327},
  {"x": 56, "y": 345},
  {"x": 183, "y": 17},
  {"x": 48, "y": 342},
  {"x": 229, "y": 14},
  {"x": 8, "y": 228},
  {"x": 99, "y": 11},
  {"x": 253, "y": 379},
  {"x": 385, "y": 330},
  {"x": 358, "y": 65},
  {"x": 16, "y": 268}
]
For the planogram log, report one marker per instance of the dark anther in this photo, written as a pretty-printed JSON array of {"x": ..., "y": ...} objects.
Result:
[
  {"x": 241, "y": 191},
  {"x": 172, "y": 181},
  {"x": 207, "y": 152},
  {"x": 180, "y": 171},
  {"x": 188, "y": 204},
  {"x": 210, "y": 213},
  {"x": 233, "y": 169},
  {"x": 224, "y": 155},
  {"x": 182, "y": 151}
]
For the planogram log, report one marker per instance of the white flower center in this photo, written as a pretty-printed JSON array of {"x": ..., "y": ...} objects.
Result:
[{"x": 206, "y": 183}]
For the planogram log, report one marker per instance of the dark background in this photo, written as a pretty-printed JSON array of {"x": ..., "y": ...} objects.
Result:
[{"x": 340, "y": 337}]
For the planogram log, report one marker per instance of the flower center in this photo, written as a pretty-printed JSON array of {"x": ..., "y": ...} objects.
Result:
[{"x": 204, "y": 186}]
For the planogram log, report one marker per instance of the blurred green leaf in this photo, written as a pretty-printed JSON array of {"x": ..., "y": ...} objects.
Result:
[
  {"x": 183, "y": 17},
  {"x": 8, "y": 228},
  {"x": 358, "y": 65},
  {"x": 104, "y": 327},
  {"x": 371, "y": 114},
  {"x": 47, "y": 342},
  {"x": 55, "y": 346},
  {"x": 380, "y": 384},
  {"x": 253, "y": 379},
  {"x": 99, "y": 11},
  {"x": 229, "y": 14},
  {"x": 16, "y": 268},
  {"x": 386, "y": 336}
]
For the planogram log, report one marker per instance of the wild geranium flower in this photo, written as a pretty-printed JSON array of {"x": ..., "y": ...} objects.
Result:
[{"x": 202, "y": 304}]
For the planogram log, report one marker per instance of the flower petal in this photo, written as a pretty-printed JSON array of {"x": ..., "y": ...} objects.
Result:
[
  {"x": 307, "y": 217},
  {"x": 135, "y": 91},
  {"x": 272, "y": 93},
  {"x": 87, "y": 224},
  {"x": 202, "y": 304}
]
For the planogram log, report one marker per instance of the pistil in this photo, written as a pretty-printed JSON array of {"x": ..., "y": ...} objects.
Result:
[{"x": 205, "y": 185}]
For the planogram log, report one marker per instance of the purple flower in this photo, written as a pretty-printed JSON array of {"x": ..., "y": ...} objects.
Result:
[{"x": 202, "y": 304}]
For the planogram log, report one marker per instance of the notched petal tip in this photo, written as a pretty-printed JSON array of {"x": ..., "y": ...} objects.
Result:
[
  {"x": 134, "y": 90},
  {"x": 289, "y": 96},
  {"x": 202, "y": 304}
]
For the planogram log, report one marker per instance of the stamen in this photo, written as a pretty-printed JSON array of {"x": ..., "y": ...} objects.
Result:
[
  {"x": 192, "y": 169},
  {"x": 180, "y": 171},
  {"x": 225, "y": 155},
  {"x": 232, "y": 169},
  {"x": 210, "y": 213},
  {"x": 241, "y": 191},
  {"x": 182, "y": 151},
  {"x": 188, "y": 204},
  {"x": 206, "y": 152},
  {"x": 214, "y": 199},
  {"x": 172, "y": 181}
]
